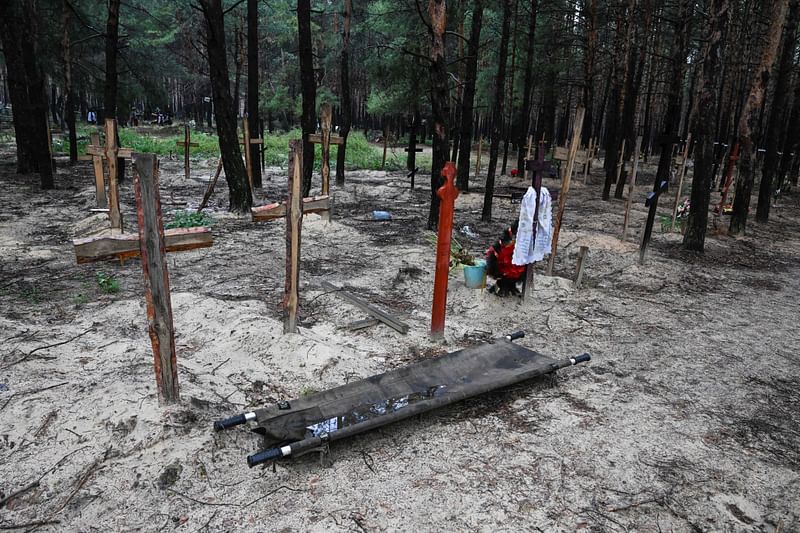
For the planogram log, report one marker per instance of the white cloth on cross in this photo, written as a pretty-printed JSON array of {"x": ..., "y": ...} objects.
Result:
[{"x": 527, "y": 250}]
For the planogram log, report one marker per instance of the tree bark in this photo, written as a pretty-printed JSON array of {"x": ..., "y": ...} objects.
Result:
[
  {"x": 497, "y": 112},
  {"x": 26, "y": 87},
  {"x": 252, "y": 84},
  {"x": 69, "y": 104},
  {"x": 749, "y": 119},
  {"x": 308, "y": 87},
  {"x": 241, "y": 198},
  {"x": 704, "y": 127},
  {"x": 468, "y": 99},
  {"x": 345, "y": 97},
  {"x": 509, "y": 121},
  {"x": 440, "y": 102},
  {"x": 776, "y": 127},
  {"x": 525, "y": 112}
]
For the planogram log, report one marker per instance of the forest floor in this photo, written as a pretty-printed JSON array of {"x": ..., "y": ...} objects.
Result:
[{"x": 687, "y": 417}]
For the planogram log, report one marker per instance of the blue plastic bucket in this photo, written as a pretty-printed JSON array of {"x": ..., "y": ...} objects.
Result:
[{"x": 475, "y": 276}]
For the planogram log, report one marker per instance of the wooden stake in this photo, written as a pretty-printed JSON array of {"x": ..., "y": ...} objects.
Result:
[
  {"x": 186, "y": 144},
  {"x": 294, "y": 221},
  {"x": 480, "y": 151},
  {"x": 631, "y": 186},
  {"x": 325, "y": 119},
  {"x": 111, "y": 154},
  {"x": 385, "y": 145},
  {"x": 681, "y": 175},
  {"x": 447, "y": 193},
  {"x": 99, "y": 181},
  {"x": 210, "y": 189},
  {"x": 562, "y": 195},
  {"x": 248, "y": 160},
  {"x": 156, "y": 276},
  {"x": 588, "y": 166},
  {"x": 579, "y": 268}
]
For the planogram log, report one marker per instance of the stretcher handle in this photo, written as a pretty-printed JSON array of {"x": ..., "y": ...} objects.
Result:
[
  {"x": 583, "y": 358},
  {"x": 237, "y": 420},
  {"x": 516, "y": 335},
  {"x": 263, "y": 457}
]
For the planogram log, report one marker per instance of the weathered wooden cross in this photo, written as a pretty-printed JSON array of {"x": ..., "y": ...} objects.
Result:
[
  {"x": 248, "y": 159},
  {"x": 539, "y": 167},
  {"x": 666, "y": 142},
  {"x": 412, "y": 171},
  {"x": 186, "y": 143},
  {"x": 631, "y": 185},
  {"x": 294, "y": 224},
  {"x": 325, "y": 139},
  {"x": 111, "y": 152}
]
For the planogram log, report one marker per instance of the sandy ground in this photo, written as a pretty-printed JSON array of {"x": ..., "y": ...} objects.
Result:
[{"x": 687, "y": 418}]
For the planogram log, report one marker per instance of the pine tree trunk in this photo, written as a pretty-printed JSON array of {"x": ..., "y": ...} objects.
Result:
[
  {"x": 525, "y": 112},
  {"x": 589, "y": 13},
  {"x": 345, "y": 97},
  {"x": 26, "y": 87},
  {"x": 468, "y": 98},
  {"x": 705, "y": 127},
  {"x": 238, "y": 188},
  {"x": 440, "y": 102},
  {"x": 497, "y": 112},
  {"x": 252, "y": 84},
  {"x": 69, "y": 105},
  {"x": 112, "y": 77},
  {"x": 308, "y": 87},
  {"x": 749, "y": 119},
  {"x": 777, "y": 122},
  {"x": 510, "y": 118}
]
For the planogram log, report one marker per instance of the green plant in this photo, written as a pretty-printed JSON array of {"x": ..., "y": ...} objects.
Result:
[
  {"x": 459, "y": 255},
  {"x": 80, "y": 299},
  {"x": 108, "y": 283},
  {"x": 307, "y": 390},
  {"x": 189, "y": 219}
]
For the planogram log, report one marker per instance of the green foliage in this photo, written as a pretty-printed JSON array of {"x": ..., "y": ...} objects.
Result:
[
  {"x": 189, "y": 219},
  {"x": 107, "y": 282},
  {"x": 79, "y": 300}
]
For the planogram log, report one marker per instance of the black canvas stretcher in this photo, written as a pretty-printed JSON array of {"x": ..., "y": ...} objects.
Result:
[{"x": 290, "y": 428}]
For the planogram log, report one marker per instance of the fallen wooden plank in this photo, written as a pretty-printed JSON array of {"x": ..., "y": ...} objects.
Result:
[
  {"x": 386, "y": 318},
  {"x": 126, "y": 246},
  {"x": 314, "y": 204}
]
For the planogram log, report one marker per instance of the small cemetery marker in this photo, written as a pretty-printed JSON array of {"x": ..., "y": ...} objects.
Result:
[
  {"x": 294, "y": 223},
  {"x": 156, "y": 276},
  {"x": 562, "y": 197},
  {"x": 539, "y": 167},
  {"x": 447, "y": 193},
  {"x": 681, "y": 176},
  {"x": 584, "y": 250},
  {"x": 248, "y": 159},
  {"x": 94, "y": 154},
  {"x": 652, "y": 202},
  {"x": 631, "y": 186},
  {"x": 186, "y": 143}
]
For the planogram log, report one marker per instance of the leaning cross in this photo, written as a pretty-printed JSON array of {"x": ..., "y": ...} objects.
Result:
[{"x": 186, "y": 143}]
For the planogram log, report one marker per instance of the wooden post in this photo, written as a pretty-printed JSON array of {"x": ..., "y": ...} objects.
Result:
[
  {"x": 99, "y": 181},
  {"x": 539, "y": 167},
  {"x": 156, "y": 276},
  {"x": 621, "y": 161},
  {"x": 248, "y": 159},
  {"x": 294, "y": 221},
  {"x": 579, "y": 268},
  {"x": 480, "y": 151},
  {"x": 562, "y": 195},
  {"x": 325, "y": 120},
  {"x": 447, "y": 193},
  {"x": 186, "y": 144},
  {"x": 631, "y": 186},
  {"x": 210, "y": 188},
  {"x": 588, "y": 166},
  {"x": 385, "y": 145},
  {"x": 681, "y": 175},
  {"x": 111, "y": 154}
]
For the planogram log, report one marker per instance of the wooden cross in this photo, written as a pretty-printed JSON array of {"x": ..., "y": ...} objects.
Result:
[
  {"x": 681, "y": 175},
  {"x": 447, "y": 193},
  {"x": 248, "y": 160},
  {"x": 186, "y": 143},
  {"x": 97, "y": 160},
  {"x": 562, "y": 197},
  {"x": 652, "y": 202},
  {"x": 111, "y": 152},
  {"x": 539, "y": 167},
  {"x": 325, "y": 139}
]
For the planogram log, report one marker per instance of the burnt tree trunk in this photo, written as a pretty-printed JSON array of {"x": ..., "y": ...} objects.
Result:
[
  {"x": 252, "y": 84},
  {"x": 345, "y": 97},
  {"x": 497, "y": 112},
  {"x": 704, "y": 127},
  {"x": 619, "y": 72},
  {"x": 440, "y": 102},
  {"x": 26, "y": 88},
  {"x": 468, "y": 99},
  {"x": 238, "y": 187},
  {"x": 777, "y": 121},
  {"x": 749, "y": 119},
  {"x": 308, "y": 88}
]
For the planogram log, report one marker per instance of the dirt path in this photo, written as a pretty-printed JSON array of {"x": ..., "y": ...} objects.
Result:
[{"x": 687, "y": 418}]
